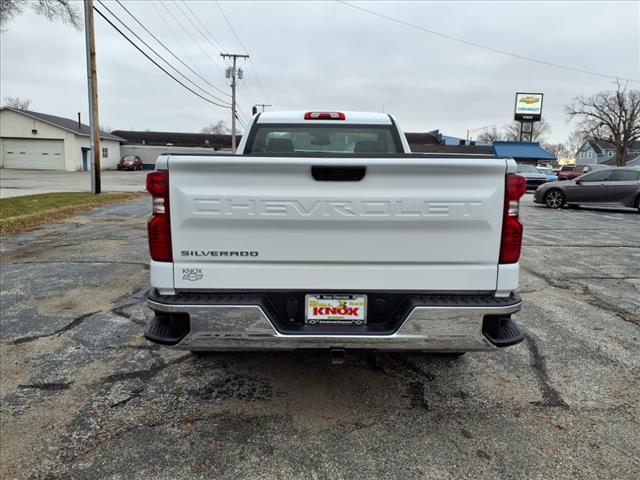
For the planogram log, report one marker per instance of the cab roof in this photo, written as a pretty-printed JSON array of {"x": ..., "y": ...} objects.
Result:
[{"x": 297, "y": 116}]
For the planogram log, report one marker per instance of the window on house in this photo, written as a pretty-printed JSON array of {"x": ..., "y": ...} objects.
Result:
[
  {"x": 589, "y": 154},
  {"x": 105, "y": 153},
  {"x": 610, "y": 154}
]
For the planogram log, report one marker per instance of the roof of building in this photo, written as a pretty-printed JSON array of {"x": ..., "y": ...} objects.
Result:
[
  {"x": 599, "y": 146},
  {"x": 632, "y": 156},
  {"x": 522, "y": 150},
  {"x": 64, "y": 123},
  {"x": 177, "y": 139},
  {"x": 428, "y": 138},
  {"x": 473, "y": 149}
]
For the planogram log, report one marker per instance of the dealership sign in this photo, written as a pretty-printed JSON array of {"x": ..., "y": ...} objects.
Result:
[{"x": 528, "y": 107}]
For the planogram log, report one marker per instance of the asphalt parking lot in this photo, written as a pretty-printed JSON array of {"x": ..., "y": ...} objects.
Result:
[
  {"x": 15, "y": 183},
  {"x": 85, "y": 397}
]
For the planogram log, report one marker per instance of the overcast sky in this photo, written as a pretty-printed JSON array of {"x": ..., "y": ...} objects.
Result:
[{"x": 326, "y": 55}]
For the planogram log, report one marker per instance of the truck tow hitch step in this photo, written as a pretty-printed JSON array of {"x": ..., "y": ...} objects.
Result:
[
  {"x": 167, "y": 329},
  {"x": 502, "y": 331}
]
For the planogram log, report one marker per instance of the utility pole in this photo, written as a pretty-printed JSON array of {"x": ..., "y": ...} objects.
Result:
[
  {"x": 92, "y": 83},
  {"x": 263, "y": 105},
  {"x": 233, "y": 73}
]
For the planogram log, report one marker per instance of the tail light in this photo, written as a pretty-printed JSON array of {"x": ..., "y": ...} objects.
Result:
[
  {"x": 324, "y": 116},
  {"x": 511, "y": 241},
  {"x": 159, "y": 225}
]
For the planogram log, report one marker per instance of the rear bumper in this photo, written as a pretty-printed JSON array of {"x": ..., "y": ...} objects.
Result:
[{"x": 453, "y": 323}]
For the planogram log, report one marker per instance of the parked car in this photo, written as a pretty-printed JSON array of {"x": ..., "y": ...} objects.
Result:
[
  {"x": 569, "y": 172},
  {"x": 325, "y": 231},
  {"x": 563, "y": 168},
  {"x": 551, "y": 177},
  {"x": 611, "y": 186},
  {"x": 531, "y": 174},
  {"x": 130, "y": 162}
]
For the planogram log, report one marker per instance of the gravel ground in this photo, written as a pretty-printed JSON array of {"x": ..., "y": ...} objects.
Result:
[{"x": 85, "y": 397}]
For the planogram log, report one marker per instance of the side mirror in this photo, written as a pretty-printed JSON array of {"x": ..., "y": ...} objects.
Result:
[{"x": 578, "y": 182}]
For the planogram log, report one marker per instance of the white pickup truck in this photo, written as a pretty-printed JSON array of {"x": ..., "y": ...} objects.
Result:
[{"x": 325, "y": 231}]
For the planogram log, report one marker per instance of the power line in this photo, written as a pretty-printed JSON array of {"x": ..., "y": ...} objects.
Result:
[
  {"x": 218, "y": 44},
  {"x": 215, "y": 44},
  {"x": 158, "y": 55},
  {"x": 191, "y": 36},
  {"x": 153, "y": 61},
  {"x": 245, "y": 50},
  {"x": 168, "y": 50},
  {"x": 175, "y": 37},
  {"x": 241, "y": 118},
  {"x": 189, "y": 33},
  {"x": 484, "y": 47}
]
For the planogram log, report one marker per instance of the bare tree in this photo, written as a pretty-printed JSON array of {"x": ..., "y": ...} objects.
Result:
[
  {"x": 540, "y": 132},
  {"x": 64, "y": 10},
  {"x": 511, "y": 132},
  {"x": 16, "y": 102},
  {"x": 219, "y": 128},
  {"x": 613, "y": 116},
  {"x": 558, "y": 150},
  {"x": 573, "y": 143},
  {"x": 490, "y": 136}
]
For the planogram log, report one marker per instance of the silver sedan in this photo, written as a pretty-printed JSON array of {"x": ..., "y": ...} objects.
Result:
[{"x": 612, "y": 186}]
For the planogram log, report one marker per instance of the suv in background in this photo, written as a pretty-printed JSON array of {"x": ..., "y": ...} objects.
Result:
[
  {"x": 531, "y": 174},
  {"x": 569, "y": 172},
  {"x": 130, "y": 162}
]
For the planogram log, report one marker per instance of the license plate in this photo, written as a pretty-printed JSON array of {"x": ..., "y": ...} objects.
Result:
[{"x": 336, "y": 309}]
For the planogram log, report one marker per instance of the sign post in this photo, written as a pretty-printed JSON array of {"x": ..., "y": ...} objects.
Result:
[{"x": 528, "y": 109}]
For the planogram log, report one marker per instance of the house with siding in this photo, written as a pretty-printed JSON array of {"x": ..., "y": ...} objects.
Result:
[
  {"x": 601, "y": 151},
  {"x": 40, "y": 141}
]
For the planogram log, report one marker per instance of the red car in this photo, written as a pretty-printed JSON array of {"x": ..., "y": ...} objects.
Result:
[
  {"x": 130, "y": 162},
  {"x": 569, "y": 172}
]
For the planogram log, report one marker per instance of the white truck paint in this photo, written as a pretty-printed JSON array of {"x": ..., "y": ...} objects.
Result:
[{"x": 259, "y": 222}]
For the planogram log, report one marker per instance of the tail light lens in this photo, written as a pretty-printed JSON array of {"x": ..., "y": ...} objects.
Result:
[
  {"x": 511, "y": 241},
  {"x": 159, "y": 226},
  {"x": 324, "y": 116}
]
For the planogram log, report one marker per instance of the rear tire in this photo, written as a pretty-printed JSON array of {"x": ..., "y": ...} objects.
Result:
[{"x": 555, "y": 199}]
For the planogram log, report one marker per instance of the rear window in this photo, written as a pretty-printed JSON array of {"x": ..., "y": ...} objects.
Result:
[{"x": 338, "y": 139}]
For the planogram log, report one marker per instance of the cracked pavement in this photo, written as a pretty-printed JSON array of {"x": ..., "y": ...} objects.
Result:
[{"x": 84, "y": 396}]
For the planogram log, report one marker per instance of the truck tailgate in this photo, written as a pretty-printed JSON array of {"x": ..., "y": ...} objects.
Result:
[{"x": 412, "y": 223}]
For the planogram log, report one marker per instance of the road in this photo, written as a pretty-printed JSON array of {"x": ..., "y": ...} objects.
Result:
[
  {"x": 85, "y": 397},
  {"x": 16, "y": 183}
]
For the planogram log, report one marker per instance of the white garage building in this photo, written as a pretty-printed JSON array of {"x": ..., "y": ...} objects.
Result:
[{"x": 39, "y": 141}]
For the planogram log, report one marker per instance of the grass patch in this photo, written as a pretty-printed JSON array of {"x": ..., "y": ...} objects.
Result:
[{"x": 22, "y": 213}]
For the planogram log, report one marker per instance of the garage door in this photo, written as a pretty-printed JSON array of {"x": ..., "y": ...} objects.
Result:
[{"x": 33, "y": 154}]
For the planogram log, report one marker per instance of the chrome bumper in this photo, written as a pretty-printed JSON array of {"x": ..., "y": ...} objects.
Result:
[{"x": 247, "y": 327}]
